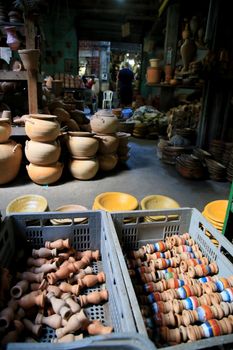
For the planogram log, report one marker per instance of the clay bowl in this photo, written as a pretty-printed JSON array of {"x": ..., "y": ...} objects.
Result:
[
  {"x": 158, "y": 202},
  {"x": 27, "y": 204},
  {"x": 216, "y": 210},
  {"x": 115, "y": 201},
  {"x": 69, "y": 208}
]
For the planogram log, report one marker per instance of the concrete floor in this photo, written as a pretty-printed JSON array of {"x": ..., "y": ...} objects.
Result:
[{"x": 143, "y": 174}]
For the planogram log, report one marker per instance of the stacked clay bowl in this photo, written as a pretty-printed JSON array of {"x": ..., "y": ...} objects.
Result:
[
  {"x": 169, "y": 154},
  {"x": 123, "y": 147},
  {"x": 29, "y": 203},
  {"x": 216, "y": 170},
  {"x": 217, "y": 149},
  {"x": 215, "y": 213},
  {"x": 189, "y": 166},
  {"x": 158, "y": 202},
  {"x": 69, "y": 208},
  {"x": 140, "y": 130},
  {"x": 201, "y": 154},
  {"x": 115, "y": 201}
]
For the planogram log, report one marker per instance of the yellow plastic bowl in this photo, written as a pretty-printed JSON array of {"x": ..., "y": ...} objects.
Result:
[
  {"x": 115, "y": 201},
  {"x": 27, "y": 204},
  {"x": 159, "y": 202},
  {"x": 216, "y": 210}
]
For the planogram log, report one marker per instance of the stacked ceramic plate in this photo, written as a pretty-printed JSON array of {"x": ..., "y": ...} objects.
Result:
[
  {"x": 216, "y": 170},
  {"x": 158, "y": 202},
  {"x": 187, "y": 133},
  {"x": 215, "y": 213},
  {"x": 169, "y": 154},
  {"x": 216, "y": 149},
  {"x": 189, "y": 166}
]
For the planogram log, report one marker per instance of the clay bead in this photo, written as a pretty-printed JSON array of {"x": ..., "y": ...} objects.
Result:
[
  {"x": 96, "y": 327},
  {"x": 58, "y": 244},
  {"x": 19, "y": 289},
  {"x": 91, "y": 255},
  {"x": 170, "y": 335},
  {"x": 66, "y": 287},
  {"x": 83, "y": 272},
  {"x": 43, "y": 253},
  {"x": 93, "y": 298},
  {"x": 75, "y": 322}
]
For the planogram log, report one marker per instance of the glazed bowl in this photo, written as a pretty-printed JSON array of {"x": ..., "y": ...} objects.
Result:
[
  {"x": 115, "y": 201},
  {"x": 27, "y": 204},
  {"x": 159, "y": 202},
  {"x": 69, "y": 208}
]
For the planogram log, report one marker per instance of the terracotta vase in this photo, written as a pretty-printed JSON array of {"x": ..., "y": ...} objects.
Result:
[
  {"x": 12, "y": 39},
  {"x": 58, "y": 244},
  {"x": 93, "y": 298},
  {"x": 82, "y": 144},
  {"x": 91, "y": 280},
  {"x": 74, "y": 306},
  {"x": 5, "y": 129},
  {"x": 59, "y": 306},
  {"x": 30, "y": 58},
  {"x": 44, "y": 253},
  {"x": 104, "y": 122},
  {"x": 83, "y": 169},
  {"x": 75, "y": 322},
  {"x": 31, "y": 299},
  {"x": 42, "y": 127},
  {"x": 108, "y": 143},
  {"x": 45, "y": 174},
  {"x": 19, "y": 289},
  {"x": 42, "y": 153},
  {"x": 53, "y": 321},
  {"x": 96, "y": 327},
  {"x": 10, "y": 160},
  {"x": 107, "y": 162},
  {"x": 153, "y": 75}
]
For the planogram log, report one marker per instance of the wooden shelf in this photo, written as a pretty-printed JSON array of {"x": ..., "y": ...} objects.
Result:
[{"x": 12, "y": 76}]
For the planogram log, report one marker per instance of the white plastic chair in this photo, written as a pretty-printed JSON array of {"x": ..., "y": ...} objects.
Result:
[{"x": 107, "y": 99}]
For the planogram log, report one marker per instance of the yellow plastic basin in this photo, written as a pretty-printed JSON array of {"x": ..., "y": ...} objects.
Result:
[
  {"x": 115, "y": 201},
  {"x": 27, "y": 204}
]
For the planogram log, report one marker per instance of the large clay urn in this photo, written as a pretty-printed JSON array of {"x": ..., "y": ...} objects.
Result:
[
  {"x": 10, "y": 160},
  {"x": 108, "y": 143},
  {"x": 45, "y": 174},
  {"x": 42, "y": 153},
  {"x": 30, "y": 58},
  {"x": 42, "y": 127},
  {"x": 104, "y": 122},
  {"x": 83, "y": 169},
  {"x": 107, "y": 162},
  {"x": 82, "y": 144},
  {"x": 5, "y": 129}
]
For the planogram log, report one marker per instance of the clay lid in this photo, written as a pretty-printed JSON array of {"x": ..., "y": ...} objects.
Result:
[{"x": 104, "y": 113}]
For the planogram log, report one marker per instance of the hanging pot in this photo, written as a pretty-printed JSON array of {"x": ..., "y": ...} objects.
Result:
[
  {"x": 11, "y": 39},
  {"x": 83, "y": 169},
  {"x": 42, "y": 153},
  {"x": 108, "y": 143},
  {"x": 5, "y": 129},
  {"x": 30, "y": 58},
  {"x": 10, "y": 160},
  {"x": 82, "y": 144},
  {"x": 104, "y": 122},
  {"x": 42, "y": 127},
  {"x": 107, "y": 162},
  {"x": 45, "y": 174}
]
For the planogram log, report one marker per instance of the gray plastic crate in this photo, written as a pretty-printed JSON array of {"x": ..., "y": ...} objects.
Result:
[
  {"x": 32, "y": 230},
  {"x": 133, "y": 235}
]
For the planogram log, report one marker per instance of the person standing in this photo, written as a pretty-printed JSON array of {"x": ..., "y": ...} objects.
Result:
[{"x": 125, "y": 79}]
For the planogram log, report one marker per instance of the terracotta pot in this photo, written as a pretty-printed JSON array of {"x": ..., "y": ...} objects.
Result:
[
  {"x": 82, "y": 144},
  {"x": 154, "y": 62},
  {"x": 84, "y": 169},
  {"x": 42, "y": 127},
  {"x": 107, "y": 162},
  {"x": 153, "y": 75},
  {"x": 42, "y": 153},
  {"x": 5, "y": 129},
  {"x": 104, "y": 122},
  {"x": 108, "y": 143},
  {"x": 12, "y": 40},
  {"x": 10, "y": 160},
  {"x": 30, "y": 58},
  {"x": 45, "y": 174}
]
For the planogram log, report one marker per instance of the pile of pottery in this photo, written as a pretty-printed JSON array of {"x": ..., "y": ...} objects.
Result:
[
  {"x": 170, "y": 153},
  {"x": 215, "y": 213},
  {"x": 105, "y": 124},
  {"x": 123, "y": 147},
  {"x": 54, "y": 291},
  {"x": 216, "y": 170},
  {"x": 82, "y": 147},
  {"x": 43, "y": 150},
  {"x": 180, "y": 295},
  {"x": 189, "y": 166},
  {"x": 10, "y": 152}
]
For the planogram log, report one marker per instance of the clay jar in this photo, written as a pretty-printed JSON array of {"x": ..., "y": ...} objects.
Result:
[
  {"x": 5, "y": 129},
  {"x": 10, "y": 160},
  {"x": 83, "y": 169},
  {"x": 45, "y": 174},
  {"x": 42, "y": 127},
  {"x": 154, "y": 62},
  {"x": 107, "y": 162},
  {"x": 42, "y": 153},
  {"x": 153, "y": 75},
  {"x": 82, "y": 144},
  {"x": 108, "y": 143},
  {"x": 104, "y": 122}
]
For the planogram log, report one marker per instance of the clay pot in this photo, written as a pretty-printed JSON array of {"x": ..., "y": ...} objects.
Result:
[
  {"x": 83, "y": 169},
  {"x": 154, "y": 62},
  {"x": 123, "y": 138},
  {"x": 10, "y": 160},
  {"x": 108, "y": 143},
  {"x": 42, "y": 127},
  {"x": 30, "y": 58},
  {"x": 82, "y": 144},
  {"x": 104, "y": 122},
  {"x": 153, "y": 75},
  {"x": 12, "y": 40},
  {"x": 5, "y": 129},
  {"x": 45, "y": 174},
  {"x": 42, "y": 153},
  {"x": 107, "y": 162}
]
